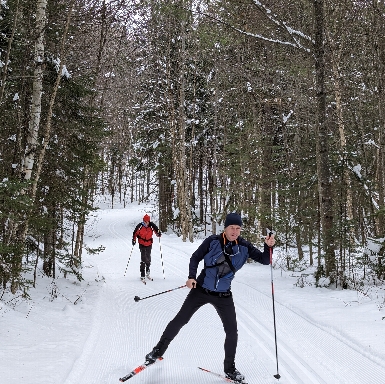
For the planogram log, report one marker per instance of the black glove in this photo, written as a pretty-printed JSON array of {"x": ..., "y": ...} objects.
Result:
[
  {"x": 133, "y": 242},
  {"x": 159, "y": 234}
]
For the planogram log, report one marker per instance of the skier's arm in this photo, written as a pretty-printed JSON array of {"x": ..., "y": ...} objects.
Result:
[
  {"x": 155, "y": 229},
  {"x": 134, "y": 234},
  {"x": 258, "y": 256},
  {"x": 196, "y": 257}
]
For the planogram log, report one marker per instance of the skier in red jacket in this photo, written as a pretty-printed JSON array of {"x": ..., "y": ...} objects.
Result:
[{"x": 143, "y": 232}]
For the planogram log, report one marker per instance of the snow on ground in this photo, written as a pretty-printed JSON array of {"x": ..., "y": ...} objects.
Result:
[{"x": 94, "y": 332}]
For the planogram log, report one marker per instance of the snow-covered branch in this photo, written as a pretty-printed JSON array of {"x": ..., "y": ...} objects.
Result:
[{"x": 295, "y": 34}]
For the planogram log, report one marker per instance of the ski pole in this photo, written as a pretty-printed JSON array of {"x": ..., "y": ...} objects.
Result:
[
  {"x": 128, "y": 260},
  {"x": 277, "y": 376},
  {"x": 161, "y": 257},
  {"x": 137, "y": 298}
]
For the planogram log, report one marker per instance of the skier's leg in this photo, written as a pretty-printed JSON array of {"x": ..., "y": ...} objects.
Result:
[
  {"x": 147, "y": 258},
  {"x": 142, "y": 249},
  {"x": 194, "y": 300},
  {"x": 226, "y": 311}
]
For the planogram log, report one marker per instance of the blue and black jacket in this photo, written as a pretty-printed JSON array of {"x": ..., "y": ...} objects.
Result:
[{"x": 217, "y": 274}]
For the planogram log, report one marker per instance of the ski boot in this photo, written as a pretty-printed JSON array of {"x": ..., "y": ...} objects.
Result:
[
  {"x": 153, "y": 355},
  {"x": 233, "y": 374}
]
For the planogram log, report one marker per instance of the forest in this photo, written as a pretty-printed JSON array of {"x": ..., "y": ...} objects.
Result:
[{"x": 273, "y": 109}]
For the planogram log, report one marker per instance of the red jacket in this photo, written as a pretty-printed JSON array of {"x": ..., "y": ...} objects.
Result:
[{"x": 144, "y": 234}]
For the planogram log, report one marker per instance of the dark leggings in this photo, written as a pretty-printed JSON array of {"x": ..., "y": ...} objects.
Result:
[
  {"x": 195, "y": 299},
  {"x": 145, "y": 254}
]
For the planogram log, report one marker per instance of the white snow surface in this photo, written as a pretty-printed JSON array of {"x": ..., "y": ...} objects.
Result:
[{"x": 94, "y": 332}]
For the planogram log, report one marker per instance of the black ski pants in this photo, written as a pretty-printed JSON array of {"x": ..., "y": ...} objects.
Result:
[
  {"x": 196, "y": 298},
  {"x": 145, "y": 255}
]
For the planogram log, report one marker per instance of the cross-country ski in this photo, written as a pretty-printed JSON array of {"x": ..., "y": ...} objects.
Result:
[
  {"x": 138, "y": 369},
  {"x": 223, "y": 377}
]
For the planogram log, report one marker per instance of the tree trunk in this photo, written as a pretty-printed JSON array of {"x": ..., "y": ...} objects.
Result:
[
  {"x": 379, "y": 55},
  {"x": 34, "y": 128},
  {"x": 165, "y": 197},
  {"x": 8, "y": 53},
  {"x": 323, "y": 168},
  {"x": 183, "y": 173},
  {"x": 265, "y": 213},
  {"x": 77, "y": 255},
  {"x": 37, "y": 91}
]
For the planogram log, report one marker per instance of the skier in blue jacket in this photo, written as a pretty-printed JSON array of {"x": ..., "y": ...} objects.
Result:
[{"x": 223, "y": 256}]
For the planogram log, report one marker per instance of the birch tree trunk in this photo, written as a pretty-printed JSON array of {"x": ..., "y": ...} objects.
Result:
[
  {"x": 47, "y": 128},
  {"x": 17, "y": 231},
  {"x": 34, "y": 127},
  {"x": 34, "y": 123}
]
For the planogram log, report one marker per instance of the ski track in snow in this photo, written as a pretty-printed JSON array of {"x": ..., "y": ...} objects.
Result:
[{"x": 123, "y": 331}]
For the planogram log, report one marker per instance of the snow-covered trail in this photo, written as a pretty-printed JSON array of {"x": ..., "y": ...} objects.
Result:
[{"x": 123, "y": 331}]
